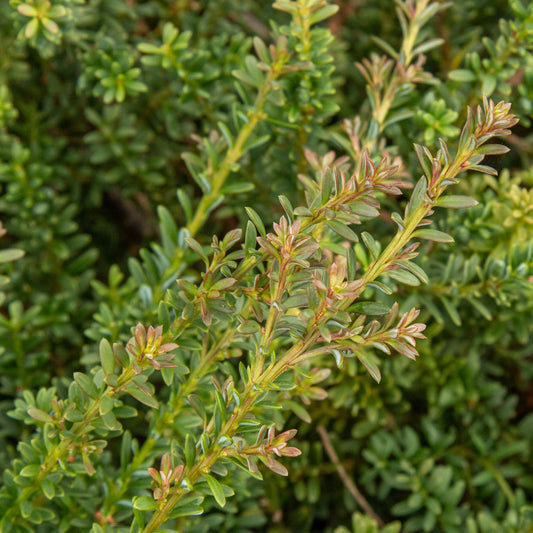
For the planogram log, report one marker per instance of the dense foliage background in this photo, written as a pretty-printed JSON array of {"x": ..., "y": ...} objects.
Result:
[{"x": 112, "y": 116}]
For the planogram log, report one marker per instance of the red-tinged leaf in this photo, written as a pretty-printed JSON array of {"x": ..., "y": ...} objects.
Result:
[
  {"x": 197, "y": 247},
  {"x": 484, "y": 169},
  {"x": 27, "y": 10},
  {"x": 88, "y": 465},
  {"x": 426, "y": 159},
  {"x": 492, "y": 149},
  {"x": 456, "y": 202},
  {"x": 268, "y": 247},
  {"x": 223, "y": 284},
  {"x": 433, "y": 235},
  {"x": 10, "y": 254},
  {"x": 167, "y": 347},
  {"x": 369, "y": 361},
  {"x": 142, "y": 396},
  {"x": 276, "y": 467},
  {"x": 402, "y": 348},
  {"x": 40, "y": 415},
  {"x": 291, "y": 451}
]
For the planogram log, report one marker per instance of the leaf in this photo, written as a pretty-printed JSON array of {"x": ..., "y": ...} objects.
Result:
[
  {"x": 370, "y": 308},
  {"x": 125, "y": 451},
  {"x": 196, "y": 247},
  {"x": 144, "y": 503},
  {"x": 371, "y": 244},
  {"x": 298, "y": 410},
  {"x": 256, "y": 219},
  {"x": 433, "y": 235},
  {"x": 86, "y": 384},
  {"x": 452, "y": 311},
  {"x": 48, "y": 488},
  {"x": 369, "y": 360},
  {"x": 343, "y": 230},
  {"x": 323, "y": 13},
  {"x": 462, "y": 75},
  {"x": 456, "y": 202},
  {"x": 141, "y": 395},
  {"x": 216, "y": 490},
  {"x": 414, "y": 269},
  {"x": 492, "y": 149},
  {"x": 10, "y": 254},
  {"x": 198, "y": 406},
  {"x": 187, "y": 506},
  {"x": 30, "y": 470},
  {"x": 426, "y": 161},
  {"x": 403, "y": 276},
  {"x": 417, "y": 197},
  {"x": 40, "y": 415},
  {"x": 189, "y": 450},
  {"x": 107, "y": 358}
]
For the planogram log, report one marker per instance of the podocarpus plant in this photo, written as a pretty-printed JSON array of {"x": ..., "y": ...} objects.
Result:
[{"x": 249, "y": 334}]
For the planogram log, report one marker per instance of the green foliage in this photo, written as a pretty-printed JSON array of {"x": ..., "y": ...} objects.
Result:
[{"x": 226, "y": 223}]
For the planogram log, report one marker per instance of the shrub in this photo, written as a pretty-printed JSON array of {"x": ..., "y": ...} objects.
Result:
[{"x": 265, "y": 342}]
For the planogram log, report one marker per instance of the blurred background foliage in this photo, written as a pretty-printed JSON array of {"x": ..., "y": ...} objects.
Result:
[{"x": 103, "y": 103}]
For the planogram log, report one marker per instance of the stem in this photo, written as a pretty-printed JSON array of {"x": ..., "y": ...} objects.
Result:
[
  {"x": 109, "y": 505},
  {"x": 346, "y": 479},
  {"x": 219, "y": 177},
  {"x": 53, "y": 459}
]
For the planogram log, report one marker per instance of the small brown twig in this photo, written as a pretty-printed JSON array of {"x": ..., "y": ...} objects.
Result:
[{"x": 350, "y": 485}]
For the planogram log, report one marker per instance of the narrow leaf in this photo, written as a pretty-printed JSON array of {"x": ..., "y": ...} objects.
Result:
[
  {"x": 216, "y": 490},
  {"x": 433, "y": 235},
  {"x": 456, "y": 202}
]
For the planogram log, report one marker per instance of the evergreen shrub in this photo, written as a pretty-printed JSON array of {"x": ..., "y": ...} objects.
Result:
[{"x": 266, "y": 267}]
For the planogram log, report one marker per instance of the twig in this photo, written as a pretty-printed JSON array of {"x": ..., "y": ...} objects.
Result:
[{"x": 350, "y": 485}]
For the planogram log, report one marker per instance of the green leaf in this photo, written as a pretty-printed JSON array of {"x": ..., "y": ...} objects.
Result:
[
  {"x": 106, "y": 405},
  {"x": 187, "y": 506},
  {"x": 86, "y": 384},
  {"x": 144, "y": 503},
  {"x": 433, "y": 235},
  {"x": 343, "y": 230},
  {"x": 185, "y": 203},
  {"x": 198, "y": 406},
  {"x": 417, "y": 197},
  {"x": 371, "y": 244},
  {"x": 298, "y": 410},
  {"x": 369, "y": 360},
  {"x": 462, "y": 75},
  {"x": 107, "y": 358},
  {"x": 197, "y": 247},
  {"x": 10, "y": 254},
  {"x": 256, "y": 219},
  {"x": 452, "y": 311},
  {"x": 323, "y": 13},
  {"x": 142, "y": 396},
  {"x": 40, "y": 415},
  {"x": 370, "y": 308},
  {"x": 456, "y": 202},
  {"x": 216, "y": 490},
  {"x": 121, "y": 355},
  {"x": 30, "y": 470},
  {"x": 189, "y": 450},
  {"x": 237, "y": 188},
  {"x": 125, "y": 451},
  {"x": 48, "y": 488},
  {"x": 110, "y": 421}
]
